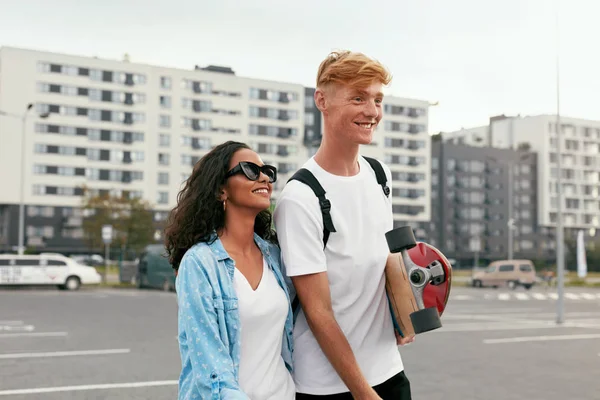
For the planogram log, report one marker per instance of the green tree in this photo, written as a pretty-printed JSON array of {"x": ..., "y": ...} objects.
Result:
[{"x": 131, "y": 219}]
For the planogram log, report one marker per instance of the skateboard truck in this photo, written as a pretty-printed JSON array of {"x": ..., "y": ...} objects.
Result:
[{"x": 424, "y": 319}]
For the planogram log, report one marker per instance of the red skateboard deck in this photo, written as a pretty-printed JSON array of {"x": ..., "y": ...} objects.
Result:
[{"x": 435, "y": 292}]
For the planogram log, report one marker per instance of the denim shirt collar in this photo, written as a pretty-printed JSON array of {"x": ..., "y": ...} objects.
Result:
[{"x": 216, "y": 246}]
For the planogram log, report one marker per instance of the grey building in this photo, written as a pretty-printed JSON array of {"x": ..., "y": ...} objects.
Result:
[{"x": 471, "y": 205}]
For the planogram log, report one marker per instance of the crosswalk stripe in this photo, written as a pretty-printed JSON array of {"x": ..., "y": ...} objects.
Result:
[{"x": 526, "y": 296}]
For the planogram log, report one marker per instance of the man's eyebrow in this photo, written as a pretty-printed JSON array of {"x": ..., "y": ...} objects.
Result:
[{"x": 365, "y": 93}]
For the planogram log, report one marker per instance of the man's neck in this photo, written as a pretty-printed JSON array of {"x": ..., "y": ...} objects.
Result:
[
  {"x": 238, "y": 234},
  {"x": 338, "y": 158}
]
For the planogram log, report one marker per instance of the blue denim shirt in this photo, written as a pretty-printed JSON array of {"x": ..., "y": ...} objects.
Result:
[{"x": 209, "y": 324}]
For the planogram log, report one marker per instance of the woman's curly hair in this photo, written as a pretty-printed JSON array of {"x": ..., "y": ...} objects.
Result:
[{"x": 199, "y": 212}]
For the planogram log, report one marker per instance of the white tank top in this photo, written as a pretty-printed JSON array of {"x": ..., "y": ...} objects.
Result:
[{"x": 263, "y": 375}]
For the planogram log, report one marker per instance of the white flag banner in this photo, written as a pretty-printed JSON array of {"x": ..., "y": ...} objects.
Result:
[{"x": 581, "y": 259}]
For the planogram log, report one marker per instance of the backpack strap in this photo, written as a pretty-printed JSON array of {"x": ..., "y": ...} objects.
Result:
[
  {"x": 305, "y": 176},
  {"x": 380, "y": 174}
]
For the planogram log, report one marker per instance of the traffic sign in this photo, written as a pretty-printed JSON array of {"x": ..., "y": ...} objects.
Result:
[{"x": 107, "y": 233}]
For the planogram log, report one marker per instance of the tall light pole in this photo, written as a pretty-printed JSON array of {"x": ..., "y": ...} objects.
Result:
[
  {"x": 21, "y": 238},
  {"x": 560, "y": 252},
  {"x": 511, "y": 221}
]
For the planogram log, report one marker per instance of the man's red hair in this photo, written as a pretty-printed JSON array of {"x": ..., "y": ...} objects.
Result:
[{"x": 351, "y": 68}]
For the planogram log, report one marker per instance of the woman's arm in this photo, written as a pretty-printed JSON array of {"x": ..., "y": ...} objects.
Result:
[{"x": 212, "y": 367}]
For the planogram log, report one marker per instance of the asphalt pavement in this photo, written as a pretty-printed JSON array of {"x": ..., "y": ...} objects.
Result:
[{"x": 121, "y": 344}]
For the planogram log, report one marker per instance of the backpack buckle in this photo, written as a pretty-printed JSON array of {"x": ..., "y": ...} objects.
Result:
[
  {"x": 386, "y": 190},
  {"x": 325, "y": 205}
]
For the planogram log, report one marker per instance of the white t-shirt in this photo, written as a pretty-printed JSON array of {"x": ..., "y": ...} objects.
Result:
[
  {"x": 262, "y": 374},
  {"x": 354, "y": 260}
]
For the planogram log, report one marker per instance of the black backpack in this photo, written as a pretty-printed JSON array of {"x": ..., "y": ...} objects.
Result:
[{"x": 305, "y": 176}]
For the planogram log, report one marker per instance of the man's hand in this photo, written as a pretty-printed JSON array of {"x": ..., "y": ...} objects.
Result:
[{"x": 401, "y": 341}]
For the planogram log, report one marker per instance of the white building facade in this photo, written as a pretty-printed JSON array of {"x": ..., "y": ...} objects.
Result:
[
  {"x": 580, "y": 157},
  {"x": 137, "y": 130},
  {"x": 128, "y": 129}
]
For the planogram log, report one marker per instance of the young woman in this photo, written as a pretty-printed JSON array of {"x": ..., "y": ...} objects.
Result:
[{"x": 235, "y": 317}]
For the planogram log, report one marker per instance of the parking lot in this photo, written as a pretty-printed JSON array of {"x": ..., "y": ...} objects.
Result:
[{"x": 121, "y": 344}]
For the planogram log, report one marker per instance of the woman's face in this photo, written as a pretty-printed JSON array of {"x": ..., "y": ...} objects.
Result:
[{"x": 242, "y": 192}]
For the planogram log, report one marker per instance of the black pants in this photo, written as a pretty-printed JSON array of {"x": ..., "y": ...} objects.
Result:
[{"x": 395, "y": 388}]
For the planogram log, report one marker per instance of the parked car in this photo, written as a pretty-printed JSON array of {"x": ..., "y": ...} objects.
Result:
[
  {"x": 510, "y": 273},
  {"x": 46, "y": 269},
  {"x": 154, "y": 269}
]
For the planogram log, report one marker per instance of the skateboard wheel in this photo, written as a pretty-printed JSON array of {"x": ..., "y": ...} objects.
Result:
[
  {"x": 400, "y": 239},
  {"x": 426, "y": 320}
]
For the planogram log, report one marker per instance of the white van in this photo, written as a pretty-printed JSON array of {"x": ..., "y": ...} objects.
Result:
[{"x": 46, "y": 269}]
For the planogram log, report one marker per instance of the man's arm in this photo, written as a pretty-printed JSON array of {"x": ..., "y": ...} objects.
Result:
[
  {"x": 300, "y": 232},
  {"x": 313, "y": 292}
]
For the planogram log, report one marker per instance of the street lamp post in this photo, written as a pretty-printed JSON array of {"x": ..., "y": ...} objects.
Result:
[
  {"x": 511, "y": 222},
  {"x": 21, "y": 238},
  {"x": 560, "y": 252}
]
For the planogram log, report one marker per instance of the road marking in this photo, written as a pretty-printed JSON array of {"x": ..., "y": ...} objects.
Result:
[
  {"x": 461, "y": 297},
  {"x": 15, "y": 392},
  {"x": 502, "y": 326},
  {"x": 65, "y": 353},
  {"x": 32, "y": 334},
  {"x": 504, "y": 296},
  {"x": 521, "y": 296},
  {"x": 571, "y": 296},
  {"x": 588, "y": 296},
  {"x": 539, "y": 296},
  {"x": 542, "y": 338},
  {"x": 17, "y": 328}
]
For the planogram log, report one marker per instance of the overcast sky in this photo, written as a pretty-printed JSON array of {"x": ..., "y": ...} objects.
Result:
[{"x": 478, "y": 58}]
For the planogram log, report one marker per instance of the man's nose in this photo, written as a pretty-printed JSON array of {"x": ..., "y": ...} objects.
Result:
[{"x": 371, "y": 110}]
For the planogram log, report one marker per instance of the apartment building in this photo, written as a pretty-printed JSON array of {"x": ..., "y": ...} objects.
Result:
[
  {"x": 124, "y": 128},
  {"x": 483, "y": 211},
  {"x": 580, "y": 162},
  {"x": 136, "y": 130}
]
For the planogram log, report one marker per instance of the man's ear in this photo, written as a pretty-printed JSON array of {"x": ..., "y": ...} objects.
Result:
[{"x": 320, "y": 99}]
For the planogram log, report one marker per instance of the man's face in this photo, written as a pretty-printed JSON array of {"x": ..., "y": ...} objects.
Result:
[{"x": 353, "y": 113}]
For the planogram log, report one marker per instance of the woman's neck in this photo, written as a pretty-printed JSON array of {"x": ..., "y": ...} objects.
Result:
[{"x": 237, "y": 235}]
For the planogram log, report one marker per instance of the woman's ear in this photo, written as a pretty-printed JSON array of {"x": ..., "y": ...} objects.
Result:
[{"x": 222, "y": 194}]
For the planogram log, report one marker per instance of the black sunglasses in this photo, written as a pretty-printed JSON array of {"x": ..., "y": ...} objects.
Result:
[{"x": 252, "y": 171}]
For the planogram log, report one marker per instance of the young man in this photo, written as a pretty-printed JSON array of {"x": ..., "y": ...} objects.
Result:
[{"x": 345, "y": 345}]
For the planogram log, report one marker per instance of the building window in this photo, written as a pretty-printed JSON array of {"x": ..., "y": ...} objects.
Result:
[
  {"x": 163, "y": 178},
  {"x": 165, "y": 121},
  {"x": 163, "y": 198},
  {"x": 165, "y": 101},
  {"x": 309, "y": 102},
  {"x": 164, "y": 140},
  {"x": 165, "y": 82},
  {"x": 163, "y": 159}
]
